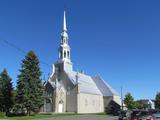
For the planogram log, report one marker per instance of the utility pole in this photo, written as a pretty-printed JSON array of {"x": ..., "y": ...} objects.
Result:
[
  {"x": 121, "y": 113},
  {"x": 122, "y": 98}
]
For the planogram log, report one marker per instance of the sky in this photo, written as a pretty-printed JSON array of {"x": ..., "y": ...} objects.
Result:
[{"x": 117, "y": 39}]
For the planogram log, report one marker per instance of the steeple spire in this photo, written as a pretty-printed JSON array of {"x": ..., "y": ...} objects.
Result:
[
  {"x": 64, "y": 50},
  {"x": 64, "y": 35},
  {"x": 64, "y": 22}
]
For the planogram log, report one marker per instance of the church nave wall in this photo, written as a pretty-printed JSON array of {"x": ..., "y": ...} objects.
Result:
[{"x": 88, "y": 103}]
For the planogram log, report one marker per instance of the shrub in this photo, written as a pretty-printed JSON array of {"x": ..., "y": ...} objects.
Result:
[{"x": 2, "y": 114}]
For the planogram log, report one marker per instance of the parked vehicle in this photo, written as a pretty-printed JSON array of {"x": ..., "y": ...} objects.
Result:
[
  {"x": 146, "y": 115},
  {"x": 135, "y": 114},
  {"x": 156, "y": 114},
  {"x": 141, "y": 115}
]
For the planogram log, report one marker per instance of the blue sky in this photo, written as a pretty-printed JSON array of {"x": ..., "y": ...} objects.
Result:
[{"x": 118, "y": 39}]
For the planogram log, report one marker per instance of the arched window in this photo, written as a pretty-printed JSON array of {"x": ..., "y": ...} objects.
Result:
[
  {"x": 66, "y": 41},
  {"x": 68, "y": 54},
  {"x": 61, "y": 101},
  {"x": 93, "y": 102},
  {"x": 86, "y": 102},
  {"x": 64, "y": 54},
  {"x": 61, "y": 54},
  {"x": 48, "y": 101},
  {"x": 68, "y": 90}
]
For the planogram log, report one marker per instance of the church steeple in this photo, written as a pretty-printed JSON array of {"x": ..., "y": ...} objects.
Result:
[
  {"x": 64, "y": 49},
  {"x": 64, "y": 22}
]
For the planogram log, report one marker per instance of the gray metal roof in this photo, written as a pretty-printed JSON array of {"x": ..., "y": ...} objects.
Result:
[
  {"x": 51, "y": 82},
  {"x": 104, "y": 87},
  {"x": 85, "y": 83}
]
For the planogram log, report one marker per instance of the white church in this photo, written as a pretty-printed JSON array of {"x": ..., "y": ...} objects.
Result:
[{"x": 67, "y": 90}]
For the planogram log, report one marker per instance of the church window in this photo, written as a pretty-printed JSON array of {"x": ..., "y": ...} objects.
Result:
[
  {"x": 61, "y": 101},
  {"x": 68, "y": 90},
  {"x": 68, "y": 54},
  {"x": 49, "y": 94},
  {"x": 59, "y": 69},
  {"x": 86, "y": 102},
  {"x": 48, "y": 101},
  {"x": 64, "y": 54},
  {"x": 66, "y": 41},
  {"x": 61, "y": 54},
  {"x": 93, "y": 102}
]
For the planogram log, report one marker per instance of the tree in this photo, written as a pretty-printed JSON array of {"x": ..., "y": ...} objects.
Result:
[
  {"x": 129, "y": 101},
  {"x": 157, "y": 101},
  {"x": 7, "y": 90},
  {"x": 1, "y": 96},
  {"x": 29, "y": 85},
  {"x": 139, "y": 105}
]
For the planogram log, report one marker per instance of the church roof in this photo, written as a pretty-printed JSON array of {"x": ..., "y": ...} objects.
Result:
[
  {"x": 92, "y": 85},
  {"x": 85, "y": 83},
  {"x": 104, "y": 87}
]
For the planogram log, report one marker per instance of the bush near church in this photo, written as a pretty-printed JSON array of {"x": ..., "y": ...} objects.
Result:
[{"x": 2, "y": 115}]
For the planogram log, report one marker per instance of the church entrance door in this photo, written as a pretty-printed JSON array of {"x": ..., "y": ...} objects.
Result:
[
  {"x": 48, "y": 105},
  {"x": 60, "y": 107}
]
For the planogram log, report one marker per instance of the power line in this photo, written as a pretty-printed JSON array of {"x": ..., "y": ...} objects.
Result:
[
  {"x": 22, "y": 51},
  {"x": 14, "y": 46}
]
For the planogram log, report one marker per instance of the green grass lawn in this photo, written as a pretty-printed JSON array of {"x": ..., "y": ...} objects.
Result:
[
  {"x": 37, "y": 116},
  {"x": 44, "y": 116}
]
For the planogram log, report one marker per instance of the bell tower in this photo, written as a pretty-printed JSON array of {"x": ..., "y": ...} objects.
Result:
[
  {"x": 64, "y": 61},
  {"x": 64, "y": 49}
]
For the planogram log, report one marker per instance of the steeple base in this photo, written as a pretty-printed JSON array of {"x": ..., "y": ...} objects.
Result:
[{"x": 63, "y": 66}]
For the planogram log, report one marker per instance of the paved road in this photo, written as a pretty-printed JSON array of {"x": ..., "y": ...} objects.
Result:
[{"x": 83, "y": 117}]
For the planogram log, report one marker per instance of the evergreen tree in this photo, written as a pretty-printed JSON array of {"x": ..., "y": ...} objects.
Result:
[
  {"x": 7, "y": 90},
  {"x": 29, "y": 85},
  {"x": 129, "y": 101},
  {"x": 157, "y": 101},
  {"x": 1, "y": 96}
]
